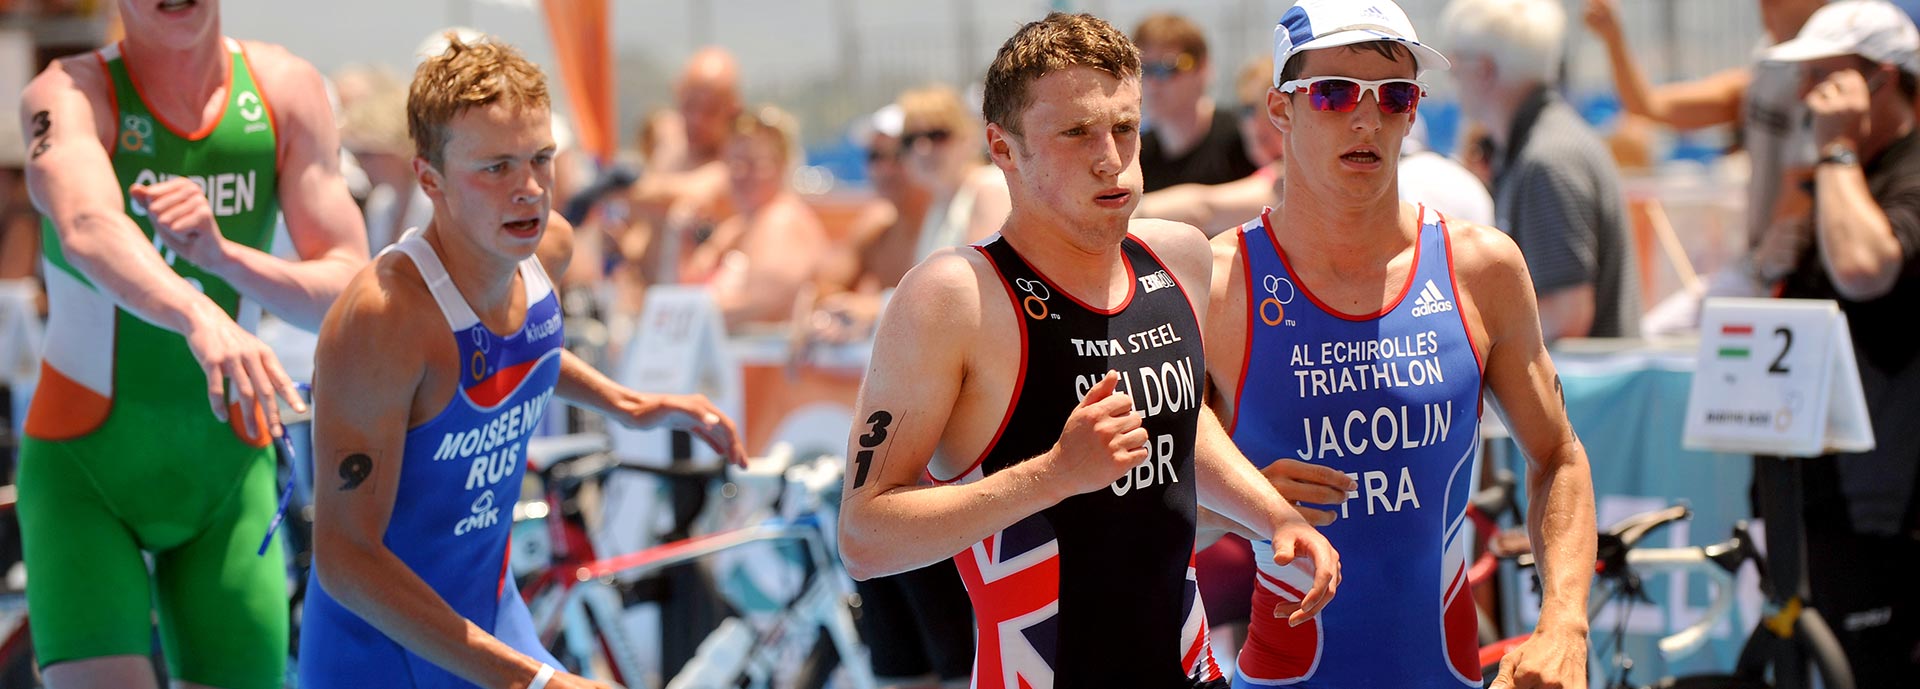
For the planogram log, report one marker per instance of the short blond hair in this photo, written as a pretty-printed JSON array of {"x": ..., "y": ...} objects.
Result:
[
  {"x": 935, "y": 106},
  {"x": 781, "y": 126},
  {"x": 467, "y": 75},
  {"x": 1057, "y": 42}
]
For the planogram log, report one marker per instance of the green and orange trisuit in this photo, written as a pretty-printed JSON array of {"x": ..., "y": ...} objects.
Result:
[{"x": 122, "y": 455}]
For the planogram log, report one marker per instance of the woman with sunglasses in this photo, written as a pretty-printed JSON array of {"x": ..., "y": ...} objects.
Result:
[
  {"x": 942, "y": 147},
  {"x": 1351, "y": 340}
]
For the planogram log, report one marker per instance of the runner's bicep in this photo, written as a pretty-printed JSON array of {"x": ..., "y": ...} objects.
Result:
[
  {"x": 361, "y": 404},
  {"x": 321, "y": 216},
  {"x": 68, "y": 171},
  {"x": 1520, "y": 374},
  {"x": 910, "y": 388}
]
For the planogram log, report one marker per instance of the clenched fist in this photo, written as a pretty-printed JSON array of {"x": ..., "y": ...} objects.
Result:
[{"x": 1102, "y": 441}]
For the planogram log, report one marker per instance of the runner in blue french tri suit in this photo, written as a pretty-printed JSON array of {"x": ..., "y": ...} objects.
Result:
[
  {"x": 431, "y": 373},
  {"x": 1351, "y": 339},
  {"x": 1391, "y": 401}
]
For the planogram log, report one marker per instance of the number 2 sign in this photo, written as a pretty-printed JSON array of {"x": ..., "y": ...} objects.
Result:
[{"x": 1776, "y": 377}]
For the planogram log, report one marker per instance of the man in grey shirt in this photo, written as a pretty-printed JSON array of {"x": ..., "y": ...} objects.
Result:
[{"x": 1556, "y": 189}]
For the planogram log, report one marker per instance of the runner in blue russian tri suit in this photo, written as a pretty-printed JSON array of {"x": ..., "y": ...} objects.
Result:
[
  {"x": 1351, "y": 339},
  {"x": 432, "y": 369}
]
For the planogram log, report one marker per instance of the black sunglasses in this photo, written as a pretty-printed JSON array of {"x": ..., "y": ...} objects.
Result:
[{"x": 936, "y": 136}]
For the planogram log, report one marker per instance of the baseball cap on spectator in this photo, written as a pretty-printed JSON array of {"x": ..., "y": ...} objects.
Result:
[
  {"x": 887, "y": 121},
  {"x": 1873, "y": 29},
  {"x": 1317, "y": 24}
]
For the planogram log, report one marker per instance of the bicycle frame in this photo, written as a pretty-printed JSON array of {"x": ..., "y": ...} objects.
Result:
[{"x": 577, "y": 601}]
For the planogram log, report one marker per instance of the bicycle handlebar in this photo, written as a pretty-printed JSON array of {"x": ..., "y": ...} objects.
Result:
[{"x": 1694, "y": 636}]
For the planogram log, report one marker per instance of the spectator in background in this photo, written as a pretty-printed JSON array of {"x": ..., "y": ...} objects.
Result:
[
  {"x": 373, "y": 127},
  {"x": 758, "y": 260},
  {"x": 879, "y": 249},
  {"x": 1763, "y": 99},
  {"x": 944, "y": 152},
  {"x": 1215, "y": 208},
  {"x": 1441, "y": 183},
  {"x": 1187, "y": 140},
  {"x": 685, "y": 185},
  {"x": 1860, "y": 61},
  {"x": 1556, "y": 190}
]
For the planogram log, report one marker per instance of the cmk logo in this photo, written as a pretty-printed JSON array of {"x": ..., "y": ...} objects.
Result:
[
  {"x": 1431, "y": 301},
  {"x": 1273, "y": 285},
  {"x": 1036, "y": 302},
  {"x": 484, "y": 514},
  {"x": 1159, "y": 280},
  {"x": 136, "y": 134}
]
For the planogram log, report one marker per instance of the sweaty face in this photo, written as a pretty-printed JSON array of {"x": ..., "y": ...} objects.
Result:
[
  {"x": 1347, "y": 155},
  {"x": 172, "y": 23},
  {"x": 1077, "y": 158},
  {"x": 756, "y": 164},
  {"x": 495, "y": 183}
]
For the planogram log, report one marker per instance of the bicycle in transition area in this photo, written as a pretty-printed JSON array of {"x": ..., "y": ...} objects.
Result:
[
  {"x": 792, "y": 603},
  {"x": 1620, "y": 566}
]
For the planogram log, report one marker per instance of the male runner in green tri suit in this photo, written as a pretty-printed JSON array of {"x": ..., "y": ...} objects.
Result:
[{"x": 161, "y": 163}]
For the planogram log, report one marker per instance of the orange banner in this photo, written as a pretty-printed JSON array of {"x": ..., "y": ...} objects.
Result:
[{"x": 582, "y": 40}]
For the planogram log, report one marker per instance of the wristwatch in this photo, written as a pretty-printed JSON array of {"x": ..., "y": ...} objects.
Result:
[{"x": 1838, "y": 154}]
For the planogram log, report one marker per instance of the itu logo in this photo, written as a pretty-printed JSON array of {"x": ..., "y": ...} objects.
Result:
[
  {"x": 1273, "y": 309},
  {"x": 136, "y": 134},
  {"x": 1036, "y": 302}
]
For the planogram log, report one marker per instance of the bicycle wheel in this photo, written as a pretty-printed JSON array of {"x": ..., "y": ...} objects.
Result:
[{"x": 1814, "y": 636}]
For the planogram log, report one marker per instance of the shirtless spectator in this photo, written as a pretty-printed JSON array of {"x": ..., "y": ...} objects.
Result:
[
  {"x": 942, "y": 151},
  {"x": 852, "y": 281},
  {"x": 685, "y": 184},
  {"x": 758, "y": 260}
]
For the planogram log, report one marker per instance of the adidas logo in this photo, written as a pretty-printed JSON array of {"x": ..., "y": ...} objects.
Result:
[{"x": 1430, "y": 301}]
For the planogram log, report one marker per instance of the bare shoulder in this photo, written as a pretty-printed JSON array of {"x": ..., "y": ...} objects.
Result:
[
  {"x": 795, "y": 214},
  {"x": 946, "y": 288},
  {"x": 1226, "y": 252},
  {"x": 293, "y": 87},
  {"x": 56, "y": 86},
  {"x": 1181, "y": 245},
  {"x": 556, "y": 244},
  {"x": 380, "y": 322},
  {"x": 69, "y": 74},
  {"x": 1486, "y": 258},
  {"x": 272, "y": 62}
]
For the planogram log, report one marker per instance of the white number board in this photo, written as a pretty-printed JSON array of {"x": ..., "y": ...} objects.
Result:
[
  {"x": 679, "y": 346},
  {"x": 1776, "y": 377}
]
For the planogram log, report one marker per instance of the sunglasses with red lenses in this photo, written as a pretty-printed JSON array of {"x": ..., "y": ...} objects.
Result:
[{"x": 1341, "y": 94}]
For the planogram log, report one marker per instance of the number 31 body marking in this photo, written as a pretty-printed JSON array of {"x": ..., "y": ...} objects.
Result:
[{"x": 878, "y": 422}]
